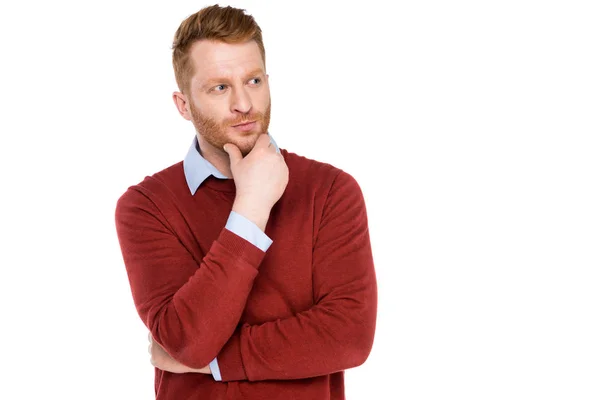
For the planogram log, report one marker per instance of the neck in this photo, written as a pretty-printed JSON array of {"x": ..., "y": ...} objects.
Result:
[{"x": 217, "y": 157}]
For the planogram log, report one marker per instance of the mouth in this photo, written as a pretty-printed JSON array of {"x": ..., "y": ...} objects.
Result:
[
  {"x": 245, "y": 127},
  {"x": 243, "y": 124}
]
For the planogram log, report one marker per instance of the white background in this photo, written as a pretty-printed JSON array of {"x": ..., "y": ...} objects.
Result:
[{"x": 471, "y": 126}]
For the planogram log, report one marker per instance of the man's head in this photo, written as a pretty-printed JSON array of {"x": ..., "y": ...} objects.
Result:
[{"x": 219, "y": 63}]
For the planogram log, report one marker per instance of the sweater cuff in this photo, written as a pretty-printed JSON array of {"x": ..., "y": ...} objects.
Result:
[
  {"x": 239, "y": 247},
  {"x": 230, "y": 360}
]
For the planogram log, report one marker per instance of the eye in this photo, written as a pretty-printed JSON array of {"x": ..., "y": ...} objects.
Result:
[
  {"x": 258, "y": 80},
  {"x": 218, "y": 88}
]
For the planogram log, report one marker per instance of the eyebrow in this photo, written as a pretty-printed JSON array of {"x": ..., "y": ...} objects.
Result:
[{"x": 212, "y": 81}]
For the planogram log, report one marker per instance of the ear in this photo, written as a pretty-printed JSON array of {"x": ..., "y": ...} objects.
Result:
[{"x": 181, "y": 102}]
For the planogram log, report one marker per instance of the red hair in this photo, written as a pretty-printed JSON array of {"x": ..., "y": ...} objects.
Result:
[{"x": 224, "y": 24}]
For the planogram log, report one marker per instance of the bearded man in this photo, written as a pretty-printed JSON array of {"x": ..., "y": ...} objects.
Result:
[{"x": 250, "y": 265}]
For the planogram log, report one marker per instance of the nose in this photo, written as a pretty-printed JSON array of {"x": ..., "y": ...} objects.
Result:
[{"x": 240, "y": 101}]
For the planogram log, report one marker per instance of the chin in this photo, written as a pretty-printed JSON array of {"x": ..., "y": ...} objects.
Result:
[
  {"x": 244, "y": 143},
  {"x": 245, "y": 136}
]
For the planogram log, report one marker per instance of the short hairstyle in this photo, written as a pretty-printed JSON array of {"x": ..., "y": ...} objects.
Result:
[{"x": 224, "y": 24}]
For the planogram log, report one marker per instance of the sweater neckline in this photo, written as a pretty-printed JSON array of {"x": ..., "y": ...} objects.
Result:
[{"x": 219, "y": 184}]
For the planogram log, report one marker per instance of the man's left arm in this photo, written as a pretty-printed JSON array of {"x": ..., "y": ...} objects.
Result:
[
  {"x": 337, "y": 332},
  {"x": 246, "y": 229}
]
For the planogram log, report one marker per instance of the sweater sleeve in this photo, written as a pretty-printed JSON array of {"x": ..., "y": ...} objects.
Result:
[
  {"x": 337, "y": 332},
  {"x": 191, "y": 306}
]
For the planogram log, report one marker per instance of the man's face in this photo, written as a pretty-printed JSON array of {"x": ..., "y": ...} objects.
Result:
[{"x": 229, "y": 87}]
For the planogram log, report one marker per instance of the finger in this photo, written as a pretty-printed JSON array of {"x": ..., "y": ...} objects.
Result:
[
  {"x": 150, "y": 336},
  {"x": 271, "y": 146},
  {"x": 235, "y": 155},
  {"x": 264, "y": 140},
  {"x": 150, "y": 349}
]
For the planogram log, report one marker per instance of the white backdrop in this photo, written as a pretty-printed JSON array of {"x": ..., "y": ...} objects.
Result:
[{"x": 472, "y": 128}]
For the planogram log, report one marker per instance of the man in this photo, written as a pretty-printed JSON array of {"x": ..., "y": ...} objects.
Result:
[{"x": 250, "y": 265}]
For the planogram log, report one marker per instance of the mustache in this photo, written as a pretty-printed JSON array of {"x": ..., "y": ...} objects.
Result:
[{"x": 245, "y": 119}]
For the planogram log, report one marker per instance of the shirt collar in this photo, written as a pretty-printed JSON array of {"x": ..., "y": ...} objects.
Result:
[{"x": 196, "y": 168}]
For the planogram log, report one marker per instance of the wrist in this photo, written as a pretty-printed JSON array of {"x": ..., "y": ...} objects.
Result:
[
  {"x": 205, "y": 370},
  {"x": 257, "y": 214}
]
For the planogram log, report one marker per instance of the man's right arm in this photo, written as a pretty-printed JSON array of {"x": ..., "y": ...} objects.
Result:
[{"x": 190, "y": 306}]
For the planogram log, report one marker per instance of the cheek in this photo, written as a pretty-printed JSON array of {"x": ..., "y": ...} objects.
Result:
[
  {"x": 212, "y": 111},
  {"x": 263, "y": 101}
]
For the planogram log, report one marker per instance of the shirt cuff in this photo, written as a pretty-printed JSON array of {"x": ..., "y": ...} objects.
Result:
[
  {"x": 231, "y": 359},
  {"x": 214, "y": 369},
  {"x": 248, "y": 230}
]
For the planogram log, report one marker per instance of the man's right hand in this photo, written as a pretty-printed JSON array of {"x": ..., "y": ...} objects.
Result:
[
  {"x": 162, "y": 360},
  {"x": 260, "y": 179}
]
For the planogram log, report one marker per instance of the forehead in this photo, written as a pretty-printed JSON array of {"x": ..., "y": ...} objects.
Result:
[{"x": 212, "y": 59}]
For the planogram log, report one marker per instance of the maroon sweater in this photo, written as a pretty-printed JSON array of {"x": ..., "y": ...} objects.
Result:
[{"x": 283, "y": 324}]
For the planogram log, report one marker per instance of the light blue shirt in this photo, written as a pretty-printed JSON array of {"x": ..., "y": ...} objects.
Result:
[{"x": 196, "y": 169}]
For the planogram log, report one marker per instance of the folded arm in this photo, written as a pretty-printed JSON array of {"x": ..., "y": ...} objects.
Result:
[
  {"x": 190, "y": 306},
  {"x": 337, "y": 332}
]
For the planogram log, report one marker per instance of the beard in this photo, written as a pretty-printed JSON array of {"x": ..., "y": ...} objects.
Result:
[{"x": 218, "y": 134}]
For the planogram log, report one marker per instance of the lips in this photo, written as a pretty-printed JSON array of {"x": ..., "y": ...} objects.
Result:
[
  {"x": 244, "y": 123},
  {"x": 245, "y": 127}
]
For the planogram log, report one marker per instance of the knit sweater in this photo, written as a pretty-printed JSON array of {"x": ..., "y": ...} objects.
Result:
[{"x": 283, "y": 324}]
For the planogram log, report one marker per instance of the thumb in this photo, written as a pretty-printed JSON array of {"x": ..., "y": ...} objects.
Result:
[{"x": 234, "y": 153}]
